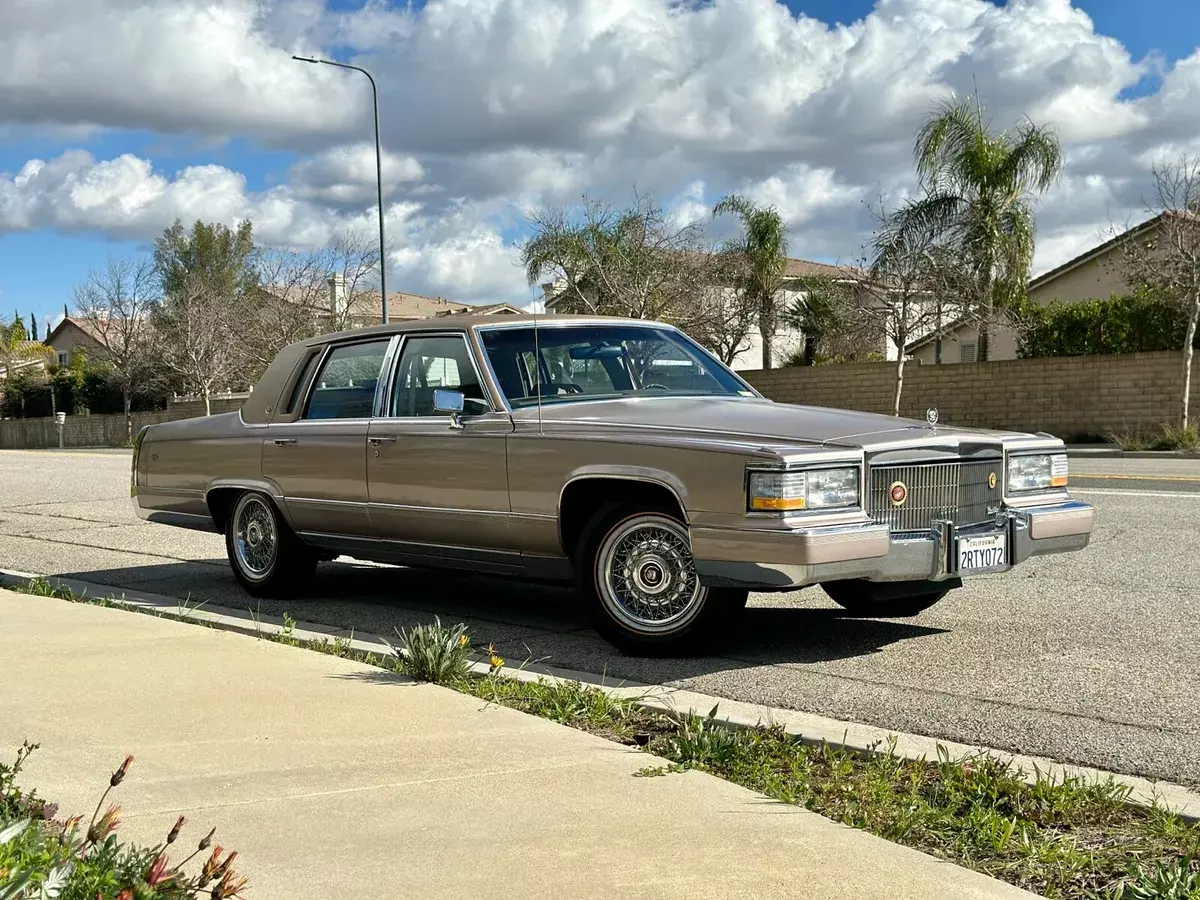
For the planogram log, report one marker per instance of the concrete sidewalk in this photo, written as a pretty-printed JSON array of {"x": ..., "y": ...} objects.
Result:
[{"x": 334, "y": 779}]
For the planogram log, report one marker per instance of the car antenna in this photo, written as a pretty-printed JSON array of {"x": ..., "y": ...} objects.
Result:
[{"x": 537, "y": 366}]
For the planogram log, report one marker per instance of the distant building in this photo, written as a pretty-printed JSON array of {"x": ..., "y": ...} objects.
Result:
[
  {"x": 71, "y": 336},
  {"x": 1095, "y": 274}
]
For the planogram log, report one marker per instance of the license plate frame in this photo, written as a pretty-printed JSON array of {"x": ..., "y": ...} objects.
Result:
[{"x": 978, "y": 554}]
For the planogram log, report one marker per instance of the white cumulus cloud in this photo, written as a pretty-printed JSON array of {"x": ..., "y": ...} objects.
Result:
[{"x": 492, "y": 107}]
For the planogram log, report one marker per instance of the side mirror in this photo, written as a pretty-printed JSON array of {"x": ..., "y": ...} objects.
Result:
[{"x": 451, "y": 402}]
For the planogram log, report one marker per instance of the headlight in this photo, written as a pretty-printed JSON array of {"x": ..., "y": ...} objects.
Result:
[
  {"x": 1039, "y": 472},
  {"x": 807, "y": 489}
]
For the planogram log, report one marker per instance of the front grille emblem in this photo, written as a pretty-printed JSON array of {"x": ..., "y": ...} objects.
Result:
[
  {"x": 991, "y": 481},
  {"x": 899, "y": 493}
]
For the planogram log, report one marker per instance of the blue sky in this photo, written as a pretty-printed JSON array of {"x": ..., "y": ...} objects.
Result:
[{"x": 472, "y": 174}]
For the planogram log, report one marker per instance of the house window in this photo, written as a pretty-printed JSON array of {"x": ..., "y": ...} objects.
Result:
[
  {"x": 62, "y": 358},
  {"x": 966, "y": 353}
]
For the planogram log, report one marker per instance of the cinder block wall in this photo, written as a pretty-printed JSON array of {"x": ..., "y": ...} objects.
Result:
[
  {"x": 1071, "y": 397},
  {"x": 100, "y": 431}
]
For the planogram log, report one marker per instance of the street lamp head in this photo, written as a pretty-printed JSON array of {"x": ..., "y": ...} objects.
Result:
[{"x": 307, "y": 59}]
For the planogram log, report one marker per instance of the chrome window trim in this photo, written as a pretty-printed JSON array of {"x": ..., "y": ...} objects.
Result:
[
  {"x": 326, "y": 353},
  {"x": 383, "y": 404},
  {"x": 616, "y": 323}
]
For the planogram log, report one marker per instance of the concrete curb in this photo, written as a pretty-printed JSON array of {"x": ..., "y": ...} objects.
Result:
[
  {"x": 810, "y": 728},
  {"x": 1118, "y": 453}
]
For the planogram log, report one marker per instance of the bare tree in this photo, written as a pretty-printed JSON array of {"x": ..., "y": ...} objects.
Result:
[
  {"x": 635, "y": 262},
  {"x": 351, "y": 264},
  {"x": 1166, "y": 258},
  {"x": 193, "y": 327},
  {"x": 725, "y": 313},
  {"x": 911, "y": 283},
  {"x": 115, "y": 304},
  {"x": 287, "y": 305}
]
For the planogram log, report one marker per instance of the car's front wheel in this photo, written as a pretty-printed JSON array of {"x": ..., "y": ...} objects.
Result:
[
  {"x": 267, "y": 558},
  {"x": 887, "y": 599},
  {"x": 635, "y": 567}
]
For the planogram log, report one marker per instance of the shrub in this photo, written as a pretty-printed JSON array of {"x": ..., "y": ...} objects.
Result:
[
  {"x": 701, "y": 741},
  {"x": 42, "y": 857},
  {"x": 435, "y": 652},
  {"x": 1168, "y": 437},
  {"x": 1136, "y": 323}
]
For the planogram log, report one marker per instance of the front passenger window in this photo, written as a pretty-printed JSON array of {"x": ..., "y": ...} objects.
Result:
[
  {"x": 430, "y": 363},
  {"x": 345, "y": 386}
]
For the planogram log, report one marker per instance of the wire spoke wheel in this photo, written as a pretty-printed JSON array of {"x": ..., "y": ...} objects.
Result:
[
  {"x": 255, "y": 538},
  {"x": 646, "y": 577}
]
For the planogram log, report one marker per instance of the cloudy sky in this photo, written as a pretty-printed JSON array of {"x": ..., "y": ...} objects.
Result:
[{"x": 117, "y": 116}]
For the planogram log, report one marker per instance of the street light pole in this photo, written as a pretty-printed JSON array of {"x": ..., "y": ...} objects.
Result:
[{"x": 378, "y": 171}]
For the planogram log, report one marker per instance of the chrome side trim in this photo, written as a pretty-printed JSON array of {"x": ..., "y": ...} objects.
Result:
[
  {"x": 413, "y": 553},
  {"x": 176, "y": 492}
]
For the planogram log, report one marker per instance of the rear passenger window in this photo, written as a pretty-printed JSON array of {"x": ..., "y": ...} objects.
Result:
[{"x": 345, "y": 386}]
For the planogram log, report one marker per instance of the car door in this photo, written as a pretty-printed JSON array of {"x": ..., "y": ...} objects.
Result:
[
  {"x": 440, "y": 490},
  {"x": 319, "y": 458}
]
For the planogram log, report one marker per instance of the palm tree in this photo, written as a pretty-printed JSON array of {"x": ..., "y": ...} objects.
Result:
[
  {"x": 764, "y": 246},
  {"x": 979, "y": 186}
]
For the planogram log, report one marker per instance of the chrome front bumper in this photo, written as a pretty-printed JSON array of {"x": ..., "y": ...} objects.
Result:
[{"x": 796, "y": 557}]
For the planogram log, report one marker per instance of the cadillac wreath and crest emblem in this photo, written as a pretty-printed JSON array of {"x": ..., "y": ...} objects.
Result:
[
  {"x": 931, "y": 416},
  {"x": 991, "y": 481},
  {"x": 898, "y": 492}
]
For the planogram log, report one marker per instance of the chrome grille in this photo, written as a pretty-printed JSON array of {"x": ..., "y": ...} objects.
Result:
[{"x": 955, "y": 491}]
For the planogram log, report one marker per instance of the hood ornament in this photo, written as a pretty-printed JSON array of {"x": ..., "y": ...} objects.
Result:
[{"x": 931, "y": 417}]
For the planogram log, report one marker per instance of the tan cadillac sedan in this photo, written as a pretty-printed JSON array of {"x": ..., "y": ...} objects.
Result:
[{"x": 618, "y": 454}]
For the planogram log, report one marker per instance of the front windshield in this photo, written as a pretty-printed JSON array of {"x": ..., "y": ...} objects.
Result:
[{"x": 579, "y": 362}]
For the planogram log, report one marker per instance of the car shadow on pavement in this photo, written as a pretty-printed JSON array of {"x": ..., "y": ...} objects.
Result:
[{"x": 537, "y": 623}]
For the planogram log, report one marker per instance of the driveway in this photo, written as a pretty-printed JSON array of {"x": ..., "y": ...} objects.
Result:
[{"x": 1088, "y": 658}]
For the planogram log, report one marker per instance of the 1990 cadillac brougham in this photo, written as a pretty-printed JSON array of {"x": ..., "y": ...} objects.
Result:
[{"x": 618, "y": 454}]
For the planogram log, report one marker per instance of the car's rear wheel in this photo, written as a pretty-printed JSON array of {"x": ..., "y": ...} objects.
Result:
[
  {"x": 635, "y": 566},
  {"x": 887, "y": 599},
  {"x": 267, "y": 558}
]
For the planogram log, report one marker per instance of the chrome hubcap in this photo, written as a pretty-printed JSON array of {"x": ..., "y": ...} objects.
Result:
[
  {"x": 255, "y": 539},
  {"x": 646, "y": 576}
]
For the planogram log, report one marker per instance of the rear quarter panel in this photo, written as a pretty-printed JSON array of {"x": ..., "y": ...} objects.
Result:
[{"x": 183, "y": 459}]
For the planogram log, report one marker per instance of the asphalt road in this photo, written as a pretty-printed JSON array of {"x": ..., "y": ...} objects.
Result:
[{"x": 1090, "y": 657}]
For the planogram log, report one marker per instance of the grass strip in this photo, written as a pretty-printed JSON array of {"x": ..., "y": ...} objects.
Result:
[{"x": 1062, "y": 838}]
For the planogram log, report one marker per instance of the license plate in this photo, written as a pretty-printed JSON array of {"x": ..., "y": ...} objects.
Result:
[{"x": 985, "y": 553}]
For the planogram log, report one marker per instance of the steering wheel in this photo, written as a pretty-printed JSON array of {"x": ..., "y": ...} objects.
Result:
[
  {"x": 655, "y": 386},
  {"x": 566, "y": 386}
]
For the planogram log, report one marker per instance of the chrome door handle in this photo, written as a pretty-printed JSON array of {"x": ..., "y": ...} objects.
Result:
[
  {"x": 279, "y": 442},
  {"x": 382, "y": 439}
]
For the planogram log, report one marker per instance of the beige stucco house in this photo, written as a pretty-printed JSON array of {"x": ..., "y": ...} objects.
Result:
[
  {"x": 69, "y": 337},
  {"x": 1095, "y": 274}
]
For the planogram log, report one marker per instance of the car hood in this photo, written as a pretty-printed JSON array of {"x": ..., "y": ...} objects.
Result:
[{"x": 744, "y": 417}]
